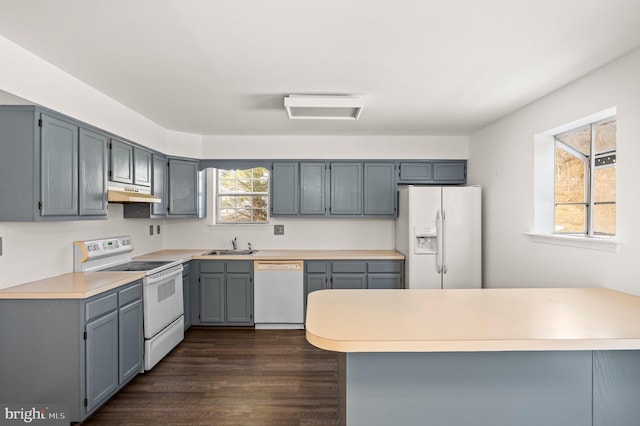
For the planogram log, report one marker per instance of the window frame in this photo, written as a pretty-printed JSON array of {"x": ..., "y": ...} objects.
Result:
[
  {"x": 218, "y": 194},
  {"x": 541, "y": 226},
  {"x": 590, "y": 175}
]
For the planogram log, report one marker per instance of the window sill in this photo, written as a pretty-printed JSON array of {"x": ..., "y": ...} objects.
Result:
[
  {"x": 609, "y": 244},
  {"x": 242, "y": 226}
]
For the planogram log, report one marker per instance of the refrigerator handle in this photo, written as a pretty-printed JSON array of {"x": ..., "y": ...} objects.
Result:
[
  {"x": 438, "y": 251},
  {"x": 444, "y": 242}
]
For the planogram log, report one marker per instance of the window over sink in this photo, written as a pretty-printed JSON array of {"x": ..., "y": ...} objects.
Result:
[{"x": 242, "y": 195}]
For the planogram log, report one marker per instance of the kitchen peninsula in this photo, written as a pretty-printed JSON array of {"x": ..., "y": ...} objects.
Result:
[{"x": 498, "y": 357}]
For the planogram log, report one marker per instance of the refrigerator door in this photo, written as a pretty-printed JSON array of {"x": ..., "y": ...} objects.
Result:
[
  {"x": 462, "y": 237},
  {"x": 422, "y": 266}
]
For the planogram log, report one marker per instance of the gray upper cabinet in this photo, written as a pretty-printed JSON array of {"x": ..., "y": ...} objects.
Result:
[
  {"x": 313, "y": 192},
  {"x": 285, "y": 188},
  {"x": 436, "y": 172},
  {"x": 93, "y": 160},
  {"x": 159, "y": 185},
  {"x": 450, "y": 172},
  {"x": 346, "y": 188},
  {"x": 130, "y": 164},
  {"x": 141, "y": 167},
  {"x": 380, "y": 189},
  {"x": 121, "y": 162},
  {"x": 59, "y": 167},
  {"x": 183, "y": 187},
  {"x": 55, "y": 167}
]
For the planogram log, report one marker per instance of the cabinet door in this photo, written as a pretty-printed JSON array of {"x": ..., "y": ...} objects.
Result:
[
  {"x": 346, "y": 188},
  {"x": 380, "y": 189},
  {"x": 183, "y": 187},
  {"x": 131, "y": 340},
  {"x": 284, "y": 189},
  {"x": 58, "y": 168},
  {"x": 101, "y": 359},
  {"x": 312, "y": 188},
  {"x": 141, "y": 167},
  {"x": 159, "y": 185},
  {"x": 421, "y": 172},
  {"x": 212, "y": 298},
  {"x": 384, "y": 281},
  {"x": 121, "y": 162},
  {"x": 450, "y": 172},
  {"x": 93, "y": 162},
  {"x": 239, "y": 299},
  {"x": 348, "y": 281}
]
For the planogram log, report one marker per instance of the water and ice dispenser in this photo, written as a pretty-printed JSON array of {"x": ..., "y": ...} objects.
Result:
[{"x": 425, "y": 239}]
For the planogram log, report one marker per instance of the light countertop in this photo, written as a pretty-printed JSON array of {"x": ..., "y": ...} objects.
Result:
[
  {"x": 75, "y": 285},
  {"x": 473, "y": 320},
  {"x": 313, "y": 255},
  {"x": 78, "y": 285}
]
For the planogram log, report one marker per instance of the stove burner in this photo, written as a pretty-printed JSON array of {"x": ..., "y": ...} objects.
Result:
[{"x": 137, "y": 266}]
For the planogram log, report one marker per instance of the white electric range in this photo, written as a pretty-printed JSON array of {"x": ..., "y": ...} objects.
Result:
[{"x": 162, "y": 290}]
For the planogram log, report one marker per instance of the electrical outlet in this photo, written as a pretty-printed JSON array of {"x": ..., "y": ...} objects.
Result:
[
  {"x": 158, "y": 229},
  {"x": 278, "y": 229},
  {"x": 150, "y": 229}
]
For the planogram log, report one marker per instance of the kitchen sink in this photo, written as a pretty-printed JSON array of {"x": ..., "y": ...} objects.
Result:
[{"x": 230, "y": 253}]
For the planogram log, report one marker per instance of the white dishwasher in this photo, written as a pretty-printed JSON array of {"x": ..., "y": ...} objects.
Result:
[{"x": 278, "y": 294}]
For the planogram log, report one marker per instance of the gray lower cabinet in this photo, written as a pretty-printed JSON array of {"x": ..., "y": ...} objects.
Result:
[
  {"x": 78, "y": 353},
  {"x": 224, "y": 293},
  {"x": 102, "y": 359},
  {"x": 352, "y": 274},
  {"x": 183, "y": 187},
  {"x": 55, "y": 166}
]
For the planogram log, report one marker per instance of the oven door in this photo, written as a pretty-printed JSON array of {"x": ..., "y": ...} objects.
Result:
[{"x": 162, "y": 300}]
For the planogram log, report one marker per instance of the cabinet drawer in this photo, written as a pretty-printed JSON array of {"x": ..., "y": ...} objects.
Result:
[
  {"x": 384, "y": 267},
  {"x": 130, "y": 294},
  {"x": 239, "y": 267},
  {"x": 101, "y": 306},
  {"x": 315, "y": 267},
  {"x": 349, "y": 267},
  {"x": 212, "y": 267}
]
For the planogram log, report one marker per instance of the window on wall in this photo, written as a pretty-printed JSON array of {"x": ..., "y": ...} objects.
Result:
[
  {"x": 585, "y": 180},
  {"x": 242, "y": 196}
]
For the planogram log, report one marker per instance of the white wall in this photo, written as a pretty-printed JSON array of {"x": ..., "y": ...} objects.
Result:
[
  {"x": 33, "y": 251},
  {"x": 501, "y": 160},
  {"x": 37, "y": 250}
]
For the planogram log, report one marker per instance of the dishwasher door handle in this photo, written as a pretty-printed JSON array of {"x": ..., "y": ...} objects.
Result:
[{"x": 278, "y": 265}]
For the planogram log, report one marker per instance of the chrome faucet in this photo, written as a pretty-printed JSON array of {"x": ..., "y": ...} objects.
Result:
[{"x": 234, "y": 243}]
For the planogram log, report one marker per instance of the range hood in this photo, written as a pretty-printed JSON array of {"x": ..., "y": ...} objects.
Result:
[{"x": 117, "y": 193}]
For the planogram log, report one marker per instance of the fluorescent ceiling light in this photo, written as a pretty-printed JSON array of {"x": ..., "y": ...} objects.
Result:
[{"x": 323, "y": 107}]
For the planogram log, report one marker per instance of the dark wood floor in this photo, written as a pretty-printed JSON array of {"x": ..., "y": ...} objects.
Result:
[{"x": 232, "y": 377}]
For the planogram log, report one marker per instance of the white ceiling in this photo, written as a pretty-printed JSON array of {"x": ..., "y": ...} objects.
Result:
[{"x": 424, "y": 67}]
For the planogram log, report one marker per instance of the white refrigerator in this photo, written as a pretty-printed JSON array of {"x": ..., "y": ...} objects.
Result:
[{"x": 438, "y": 230}]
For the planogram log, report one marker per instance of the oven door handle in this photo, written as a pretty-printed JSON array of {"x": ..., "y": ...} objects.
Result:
[{"x": 163, "y": 275}]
